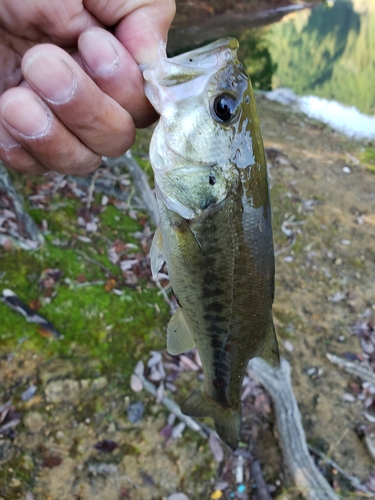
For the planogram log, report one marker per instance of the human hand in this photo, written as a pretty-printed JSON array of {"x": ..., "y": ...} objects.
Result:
[{"x": 70, "y": 90}]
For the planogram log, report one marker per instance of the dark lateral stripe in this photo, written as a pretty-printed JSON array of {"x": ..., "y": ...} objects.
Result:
[
  {"x": 215, "y": 307},
  {"x": 220, "y": 364}
]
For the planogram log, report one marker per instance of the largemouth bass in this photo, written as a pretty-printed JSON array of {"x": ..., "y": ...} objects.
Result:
[{"x": 215, "y": 231}]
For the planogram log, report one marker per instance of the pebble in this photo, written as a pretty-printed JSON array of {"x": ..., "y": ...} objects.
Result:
[
  {"x": 58, "y": 391},
  {"x": 99, "y": 383},
  {"x": 60, "y": 435},
  {"x": 34, "y": 421},
  {"x": 135, "y": 411}
]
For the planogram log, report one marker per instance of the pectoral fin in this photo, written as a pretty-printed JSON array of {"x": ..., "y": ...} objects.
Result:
[
  {"x": 269, "y": 349},
  {"x": 179, "y": 335},
  {"x": 156, "y": 252}
]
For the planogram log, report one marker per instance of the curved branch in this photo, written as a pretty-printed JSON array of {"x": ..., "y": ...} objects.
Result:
[{"x": 305, "y": 474}]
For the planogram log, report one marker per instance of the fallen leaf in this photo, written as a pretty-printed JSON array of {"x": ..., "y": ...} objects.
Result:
[
  {"x": 35, "y": 304},
  {"x": 136, "y": 383},
  {"x": 51, "y": 461},
  {"x": 135, "y": 412},
  {"x": 178, "y": 430},
  {"x": 216, "y": 448},
  {"x": 178, "y": 496},
  {"x": 29, "y": 393},
  {"x": 146, "y": 478},
  {"x": 110, "y": 285},
  {"x": 370, "y": 219},
  {"x": 106, "y": 446},
  {"x": 139, "y": 369}
]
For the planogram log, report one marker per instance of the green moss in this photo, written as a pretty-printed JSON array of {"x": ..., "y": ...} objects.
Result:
[
  {"x": 96, "y": 324},
  {"x": 367, "y": 158},
  {"x": 16, "y": 477}
]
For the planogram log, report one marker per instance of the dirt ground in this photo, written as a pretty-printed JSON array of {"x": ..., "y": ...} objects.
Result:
[{"x": 323, "y": 199}]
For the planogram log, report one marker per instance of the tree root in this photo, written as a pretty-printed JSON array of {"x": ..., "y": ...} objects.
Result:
[
  {"x": 301, "y": 466},
  {"x": 28, "y": 228}
]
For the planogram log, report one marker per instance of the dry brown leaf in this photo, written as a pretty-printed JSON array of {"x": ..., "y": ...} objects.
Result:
[
  {"x": 110, "y": 285},
  {"x": 370, "y": 219}
]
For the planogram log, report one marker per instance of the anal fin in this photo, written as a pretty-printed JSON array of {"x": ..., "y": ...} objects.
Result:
[
  {"x": 179, "y": 336},
  {"x": 156, "y": 252}
]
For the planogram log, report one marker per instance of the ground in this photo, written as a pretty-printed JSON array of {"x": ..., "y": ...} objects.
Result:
[{"x": 322, "y": 191}]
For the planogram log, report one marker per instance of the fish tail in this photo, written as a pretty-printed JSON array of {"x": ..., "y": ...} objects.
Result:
[{"x": 227, "y": 420}]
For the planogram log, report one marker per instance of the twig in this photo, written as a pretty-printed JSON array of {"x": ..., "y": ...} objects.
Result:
[
  {"x": 301, "y": 466},
  {"x": 106, "y": 186},
  {"x": 287, "y": 247},
  {"x": 19, "y": 242},
  {"x": 90, "y": 193},
  {"x": 84, "y": 284},
  {"x": 352, "y": 368},
  {"x": 19, "y": 343},
  {"x": 140, "y": 182},
  {"x": 354, "y": 481},
  {"x": 256, "y": 474},
  {"x": 28, "y": 224},
  {"x": 336, "y": 443},
  {"x": 172, "y": 307},
  {"x": 93, "y": 261},
  {"x": 174, "y": 408}
]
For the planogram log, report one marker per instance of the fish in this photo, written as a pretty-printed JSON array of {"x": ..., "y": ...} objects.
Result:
[{"x": 215, "y": 231}]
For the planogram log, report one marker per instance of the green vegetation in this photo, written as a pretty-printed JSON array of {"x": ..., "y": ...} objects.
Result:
[
  {"x": 96, "y": 323},
  {"x": 329, "y": 52},
  {"x": 255, "y": 54},
  {"x": 367, "y": 158}
]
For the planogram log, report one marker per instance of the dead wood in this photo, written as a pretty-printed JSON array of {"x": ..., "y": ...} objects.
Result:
[
  {"x": 140, "y": 181},
  {"x": 353, "y": 368},
  {"x": 174, "y": 408},
  {"x": 27, "y": 225},
  {"x": 301, "y": 466},
  {"x": 257, "y": 475},
  {"x": 354, "y": 481}
]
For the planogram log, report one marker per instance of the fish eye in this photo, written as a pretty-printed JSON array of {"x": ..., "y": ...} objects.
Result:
[{"x": 224, "y": 107}]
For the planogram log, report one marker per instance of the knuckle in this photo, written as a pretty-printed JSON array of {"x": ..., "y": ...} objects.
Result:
[
  {"x": 19, "y": 160},
  {"x": 89, "y": 165}
]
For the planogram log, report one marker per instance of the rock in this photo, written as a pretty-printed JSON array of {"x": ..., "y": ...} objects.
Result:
[
  {"x": 27, "y": 463},
  {"x": 60, "y": 368},
  {"x": 62, "y": 391},
  {"x": 60, "y": 436},
  {"x": 111, "y": 428},
  {"x": 85, "y": 383},
  {"x": 99, "y": 383},
  {"x": 6, "y": 451},
  {"x": 34, "y": 421}
]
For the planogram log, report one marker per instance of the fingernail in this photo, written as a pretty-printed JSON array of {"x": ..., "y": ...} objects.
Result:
[
  {"x": 51, "y": 77},
  {"x": 27, "y": 115},
  {"x": 6, "y": 140},
  {"x": 98, "y": 53}
]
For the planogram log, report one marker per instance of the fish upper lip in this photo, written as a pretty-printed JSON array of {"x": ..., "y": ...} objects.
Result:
[{"x": 225, "y": 43}]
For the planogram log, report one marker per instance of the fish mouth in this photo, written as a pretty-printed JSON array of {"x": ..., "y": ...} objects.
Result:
[{"x": 195, "y": 63}]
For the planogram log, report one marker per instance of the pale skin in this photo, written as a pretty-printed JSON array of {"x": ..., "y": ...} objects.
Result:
[{"x": 71, "y": 89}]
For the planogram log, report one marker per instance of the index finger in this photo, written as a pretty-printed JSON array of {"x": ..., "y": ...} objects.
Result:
[{"x": 141, "y": 24}]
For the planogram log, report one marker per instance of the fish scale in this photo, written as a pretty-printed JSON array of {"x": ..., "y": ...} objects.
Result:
[{"x": 215, "y": 230}]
